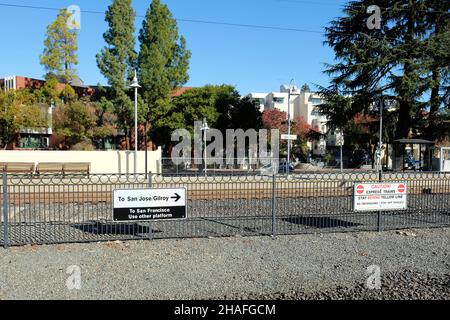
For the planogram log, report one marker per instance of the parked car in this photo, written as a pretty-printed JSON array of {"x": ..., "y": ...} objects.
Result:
[{"x": 283, "y": 166}]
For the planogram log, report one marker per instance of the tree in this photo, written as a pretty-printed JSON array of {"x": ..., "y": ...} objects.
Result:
[
  {"x": 105, "y": 122},
  {"x": 117, "y": 60},
  {"x": 163, "y": 64},
  {"x": 74, "y": 122},
  {"x": 18, "y": 110},
  {"x": 209, "y": 102},
  {"x": 221, "y": 106},
  {"x": 276, "y": 119},
  {"x": 303, "y": 130},
  {"x": 60, "y": 48},
  {"x": 245, "y": 114},
  {"x": 305, "y": 88},
  {"x": 359, "y": 123},
  {"x": 82, "y": 124},
  {"x": 438, "y": 64},
  {"x": 390, "y": 61}
]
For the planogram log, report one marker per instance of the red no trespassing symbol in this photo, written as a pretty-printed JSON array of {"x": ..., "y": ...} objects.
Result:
[{"x": 360, "y": 189}]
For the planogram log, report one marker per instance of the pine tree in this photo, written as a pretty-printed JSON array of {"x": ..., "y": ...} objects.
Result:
[
  {"x": 394, "y": 60},
  {"x": 438, "y": 63},
  {"x": 163, "y": 63},
  {"x": 117, "y": 60},
  {"x": 60, "y": 48}
]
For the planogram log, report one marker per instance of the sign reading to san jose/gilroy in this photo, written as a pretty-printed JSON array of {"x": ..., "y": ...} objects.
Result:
[
  {"x": 149, "y": 204},
  {"x": 380, "y": 196}
]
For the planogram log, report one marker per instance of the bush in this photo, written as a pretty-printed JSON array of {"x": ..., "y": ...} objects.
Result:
[{"x": 83, "y": 146}]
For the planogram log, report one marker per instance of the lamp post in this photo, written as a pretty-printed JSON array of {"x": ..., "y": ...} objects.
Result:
[
  {"x": 288, "y": 164},
  {"x": 340, "y": 142},
  {"x": 135, "y": 85},
  {"x": 380, "y": 143},
  {"x": 204, "y": 129}
]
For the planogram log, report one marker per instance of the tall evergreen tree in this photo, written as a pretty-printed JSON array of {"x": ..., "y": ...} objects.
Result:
[
  {"x": 438, "y": 64},
  {"x": 117, "y": 60},
  {"x": 163, "y": 64},
  {"x": 391, "y": 60},
  {"x": 60, "y": 48}
]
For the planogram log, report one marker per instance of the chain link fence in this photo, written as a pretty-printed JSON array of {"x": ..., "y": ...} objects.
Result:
[{"x": 48, "y": 209}]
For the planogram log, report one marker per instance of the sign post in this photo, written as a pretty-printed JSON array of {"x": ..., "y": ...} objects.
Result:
[
  {"x": 340, "y": 143},
  {"x": 380, "y": 196},
  {"x": 149, "y": 204}
]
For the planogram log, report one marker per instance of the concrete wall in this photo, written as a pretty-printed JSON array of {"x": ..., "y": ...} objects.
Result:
[{"x": 121, "y": 162}]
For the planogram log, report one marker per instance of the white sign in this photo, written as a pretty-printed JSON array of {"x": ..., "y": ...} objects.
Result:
[
  {"x": 149, "y": 204},
  {"x": 380, "y": 196},
  {"x": 289, "y": 137}
]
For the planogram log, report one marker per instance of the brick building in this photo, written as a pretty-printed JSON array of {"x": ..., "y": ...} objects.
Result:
[{"x": 19, "y": 82}]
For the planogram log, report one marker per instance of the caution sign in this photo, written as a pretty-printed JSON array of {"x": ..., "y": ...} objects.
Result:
[
  {"x": 380, "y": 196},
  {"x": 149, "y": 204}
]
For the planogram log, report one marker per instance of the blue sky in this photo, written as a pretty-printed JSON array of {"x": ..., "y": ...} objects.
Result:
[{"x": 254, "y": 60}]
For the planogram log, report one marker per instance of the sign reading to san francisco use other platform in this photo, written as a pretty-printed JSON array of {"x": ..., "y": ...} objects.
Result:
[
  {"x": 380, "y": 196},
  {"x": 149, "y": 204}
]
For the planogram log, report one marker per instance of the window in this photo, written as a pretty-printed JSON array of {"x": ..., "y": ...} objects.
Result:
[
  {"x": 259, "y": 100},
  {"x": 316, "y": 101},
  {"x": 278, "y": 100},
  {"x": 33, "y": 142},
  {"x": 315, "y": 112}
]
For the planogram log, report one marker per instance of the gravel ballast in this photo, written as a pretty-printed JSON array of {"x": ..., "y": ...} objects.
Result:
[{"x": 414, "y": 264}]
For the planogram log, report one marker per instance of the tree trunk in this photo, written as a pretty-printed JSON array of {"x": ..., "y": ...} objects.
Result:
[
  {"x": 404, "y": 120},
  {"x": 435, "y": 101},
  {"x": 404, "y": 91}
]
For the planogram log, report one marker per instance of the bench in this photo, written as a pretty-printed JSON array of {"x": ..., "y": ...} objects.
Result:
[
  {"x": 49, "y": 167},
  {"x": 63, "y": 168},
  {"x": 17, "y": 167},
  {"x": 76, "y": 167}
]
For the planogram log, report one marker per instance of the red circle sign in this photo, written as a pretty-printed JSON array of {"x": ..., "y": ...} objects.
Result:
[
  {"x": 401, "y": 188},
  {"x": 360, "y": 189}
]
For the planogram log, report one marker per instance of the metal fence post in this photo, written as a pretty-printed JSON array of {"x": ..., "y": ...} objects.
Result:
[
  {"x": 150, "y": 229},
  {"x": 274, "y": 208},
  {"x": 380, "y": 178},
  {"x": 5, "y": 210}
]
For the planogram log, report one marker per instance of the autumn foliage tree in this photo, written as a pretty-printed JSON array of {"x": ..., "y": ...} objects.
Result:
[{"x": 276, "y": 119}]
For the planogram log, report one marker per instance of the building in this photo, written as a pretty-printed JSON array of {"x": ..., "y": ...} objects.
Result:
[
  {"x": 19, "y": 82},
  {"x": 44, "y": 138},
  {"x": 259, "y": 98},
  {"x": 302, "y": 104}
]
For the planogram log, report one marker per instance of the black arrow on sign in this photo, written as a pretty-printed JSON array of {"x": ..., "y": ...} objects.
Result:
[{"x": 176, "y": 197}]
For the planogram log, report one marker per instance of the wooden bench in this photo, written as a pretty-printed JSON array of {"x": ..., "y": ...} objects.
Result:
[
  {"x": 76, "y": 167},
  {"x": 17, "y": 167},
  {"x": 64, "y": 168},
  {"x": 49, "y": 167}
]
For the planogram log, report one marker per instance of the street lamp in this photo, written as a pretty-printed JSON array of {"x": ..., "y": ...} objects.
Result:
[
  {"x": 204, "y": 129},
  {"x": 289, "y": 128},
  {"x": 340, "y": 143},
  {"x": 136, "y": 86},
  {"x": 380, "y": 143}
]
